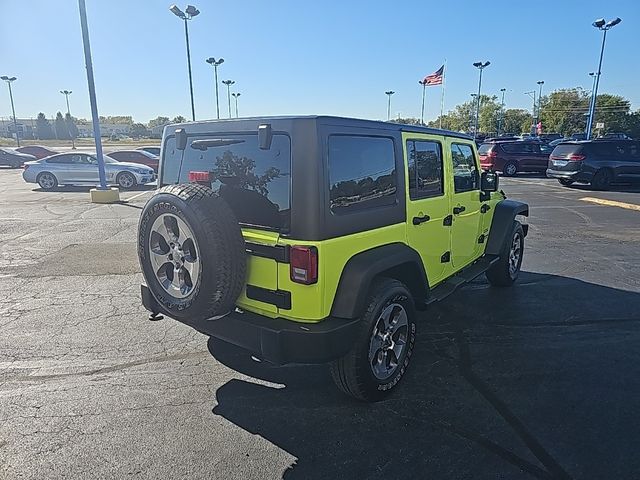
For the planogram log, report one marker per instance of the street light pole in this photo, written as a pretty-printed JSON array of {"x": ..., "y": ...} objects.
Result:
[
  {"x": 593, "y": 87},
  {"x": 216, "y": 63},
  {"x": 501, "y": 121},
  {"x": 532, "y": 94},
  {"x": 540, "y": 83},
  {"x": 228, "y": 83},
  {"x": 424, "y": 90},
  {"x": 235, "y": 96},
  {"x": 605, "y": 27},
  {"x": 188, "y": 14},
  {"x": 13, "y": 110},
  {"x": 66, "y": 93},
  {"x": 480, "y": 66},
  {"x": 388, "y": 94}
]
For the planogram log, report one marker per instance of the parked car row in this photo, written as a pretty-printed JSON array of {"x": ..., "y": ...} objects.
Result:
[{"x": 598, "y": 162}]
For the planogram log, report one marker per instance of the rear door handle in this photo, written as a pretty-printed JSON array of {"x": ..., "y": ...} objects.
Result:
[
  {"x": 422, "y": 219},
  {"x": 458, "y": 210}
]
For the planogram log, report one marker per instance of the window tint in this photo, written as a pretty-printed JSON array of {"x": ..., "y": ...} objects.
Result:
[
  {"x": 465, "y": 171},
  {"x": 425, "y": 169},
  {"x": 254, "y": 182},
  {"x": 60, "y": 159},
  {"x": 564, "y": 150},
  {"x": 485, "y": 148},
  {"x": 362, "y": 173}
]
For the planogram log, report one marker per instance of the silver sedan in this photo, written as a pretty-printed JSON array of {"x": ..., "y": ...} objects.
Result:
[{"x": 82, "y": 169}]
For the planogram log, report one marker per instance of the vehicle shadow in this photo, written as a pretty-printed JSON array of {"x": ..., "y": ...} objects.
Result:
[
  {"x": 503, "y": 383},
  {"x": 86, "y": 188}
]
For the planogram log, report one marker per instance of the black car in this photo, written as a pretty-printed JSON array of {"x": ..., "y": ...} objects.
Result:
[
  {"x": 597, "y": 162},
  {"x": 13, "y": 159}
]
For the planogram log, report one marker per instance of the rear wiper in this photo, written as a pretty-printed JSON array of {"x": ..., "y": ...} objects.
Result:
[{"x": 214, "y": 142}]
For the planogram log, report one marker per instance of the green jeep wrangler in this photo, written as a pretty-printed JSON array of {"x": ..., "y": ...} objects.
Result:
[{"x": 317, "y": 239}]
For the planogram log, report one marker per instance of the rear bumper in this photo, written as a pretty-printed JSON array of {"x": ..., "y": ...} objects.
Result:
[
  {"x": 575, "y": 175},
  {"x": 275, "y": 340}
]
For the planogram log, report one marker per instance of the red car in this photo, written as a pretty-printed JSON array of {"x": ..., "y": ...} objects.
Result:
[
  {"x": 37, "y": 151},
  {"x": 512, "y": 157},
  {"x": 137, "y": 156}
]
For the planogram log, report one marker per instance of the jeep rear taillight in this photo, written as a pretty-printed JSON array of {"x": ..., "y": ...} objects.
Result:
[{"x": 303, "y": 264}]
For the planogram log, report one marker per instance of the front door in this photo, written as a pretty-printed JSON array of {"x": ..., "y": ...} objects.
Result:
[
  {"x": 427, "y": 203},
  {"x": 465, "y": 203}
]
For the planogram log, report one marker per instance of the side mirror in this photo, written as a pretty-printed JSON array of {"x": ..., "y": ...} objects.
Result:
[
  {"x": 265, "y": 136},
  {"x": 181, "y": 139},
  {"x": 489, "y": 182}
]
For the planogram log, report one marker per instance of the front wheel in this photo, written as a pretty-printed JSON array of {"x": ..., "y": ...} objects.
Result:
[
  {"x": 380, "y": 356},
  {"x": 506, "y": 270},
  {"x": 126, "y": 180}
]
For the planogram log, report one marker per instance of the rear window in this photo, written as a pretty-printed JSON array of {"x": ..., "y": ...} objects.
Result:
[
  {"x": 255, "y": 183},
  {"x": 362, "y": 173},
  {"x": 485, "y": 148},
  {"x": 564, "y": 150}
]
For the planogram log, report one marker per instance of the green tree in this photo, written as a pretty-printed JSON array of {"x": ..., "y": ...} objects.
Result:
[
  {"x": 406, "y": 121},
  {"x": 61, "y": 127},
  {"x": 462, "y": 118},
  {"x": 43, "y": 127},
  {"x": 178, "y": 119},
  {"x": 72, "y": 129},
  {"x": 514, "y": 120},
  {"x": 563, "y": 111},
  {"x": 158, "y": 122},
  {"x": 139, "y": 130},
  {"x": 239, "y": 172}
]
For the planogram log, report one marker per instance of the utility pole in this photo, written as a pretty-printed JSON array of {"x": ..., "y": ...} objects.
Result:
[
  {"x": 66, "y": 93},
  {"x": 424, "y": 90},
  {"x": 501, "y": 121},
  {"x": 539, "y": 115},
  {"x": 388, "y": 94},
  {"x": 228, "y": 83},
  {"x": 187, "y": 15},
  {"x": 235, "y": 96},
  {"x": 216, "y": 63},
  {"x": 13, "y": 110},
  {"x": 480, "y": 66}
]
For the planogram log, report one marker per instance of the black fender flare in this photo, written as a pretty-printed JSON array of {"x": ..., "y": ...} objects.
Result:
[
  {"x": 502, "y": 223},
  {"x": 394, "y": 260}
]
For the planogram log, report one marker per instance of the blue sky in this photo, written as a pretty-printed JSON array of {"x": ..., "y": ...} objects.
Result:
[{"x": 300, "y": 57}]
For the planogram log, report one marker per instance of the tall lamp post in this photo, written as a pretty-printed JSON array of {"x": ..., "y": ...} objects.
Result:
[
  {"x": 388, "y": 93},
  {"x": 593, "y": 87},
  {"x": 228, "y": 83},
  {"x": 188, "y": 14},
  {"x": 235, "y": 96},
  {"x": 539, "y": 115},
  {"x": 532, "y": 94},
  {"x": 66, "y": 93},
  {"x": 480, "y": 66},
  {"x": 13, "y": 110},
  {"x": 501, "y": 121},
  {"x": 605, "y": 26},
  {"x": 216, "y": 63},
  {"x": 424, "y": 90}
]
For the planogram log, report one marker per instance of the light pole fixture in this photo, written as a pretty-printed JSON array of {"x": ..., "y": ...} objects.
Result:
[
  {"x": 216, "y": 63},
  {"x": 480, "y": 66},
  {"x": 424, "y": 90},
  {"x": 228, "y": 83},
  {"x": 388, "y": 93},
  {"x": 605, "y": 26},
  {"x": 540, "y": 84},
  {"x": 13, "y": 110},
  {"x": 501, "y": 120},
  {"x": 66, "y": 93},
  {"x": 188, "y": 14},
  {"x": 235, "y": 96}
]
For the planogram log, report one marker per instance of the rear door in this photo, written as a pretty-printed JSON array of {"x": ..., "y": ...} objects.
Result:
[
  {"x": 428, "y": 203},
  {"x": 465, "y": 203},
  {"x": 255, "y": 183},
  {"x": 628, "y": 161}
]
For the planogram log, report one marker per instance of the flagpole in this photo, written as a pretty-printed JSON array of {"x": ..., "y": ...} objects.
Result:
[
  {"x": 444, "y": 83},
  {"x": 424, "y": 91}
]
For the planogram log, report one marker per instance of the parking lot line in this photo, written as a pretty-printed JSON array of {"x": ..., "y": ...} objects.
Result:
[
  {"x": 611, "y": 203},
  {"x": 138, "y": 195}
]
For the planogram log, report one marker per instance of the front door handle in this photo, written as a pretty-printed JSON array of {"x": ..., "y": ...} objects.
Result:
[
  {"x": 422, "y": 219},
  {"x": 458, "y": 210}
]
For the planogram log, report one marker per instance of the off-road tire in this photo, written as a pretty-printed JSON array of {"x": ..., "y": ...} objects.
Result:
[
  {"x": 510, "y": 169},
  {"x": 602, "y": 179},
  {"x": 500, "y": 275},
  {"x": 565, "y": 182},
  {"x": 220, "y": 245},
  {"x": 352, "y": 373}
]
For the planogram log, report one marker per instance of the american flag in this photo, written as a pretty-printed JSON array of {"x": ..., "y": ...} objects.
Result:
[{"x": 435, "y": 78}]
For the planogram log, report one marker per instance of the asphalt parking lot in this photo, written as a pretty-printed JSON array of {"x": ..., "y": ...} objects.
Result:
[{"x": 538, "y": 381}]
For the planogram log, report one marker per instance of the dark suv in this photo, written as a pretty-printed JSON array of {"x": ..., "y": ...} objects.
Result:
[
  {"x": 597, "y": 162},
  {"x": 512, "y": 157}
]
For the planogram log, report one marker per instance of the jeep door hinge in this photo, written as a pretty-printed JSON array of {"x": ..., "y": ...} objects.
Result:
[
  {"x": 485, "y": 208},
  {"x": 447, "y": 221},
  {"x": 446, "y": 257}
]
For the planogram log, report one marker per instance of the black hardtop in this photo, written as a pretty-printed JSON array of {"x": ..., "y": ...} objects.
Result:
[{"x": 281, "y": 122}]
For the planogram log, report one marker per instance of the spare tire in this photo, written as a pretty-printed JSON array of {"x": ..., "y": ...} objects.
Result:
[{"x": 192, "y": 252}]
